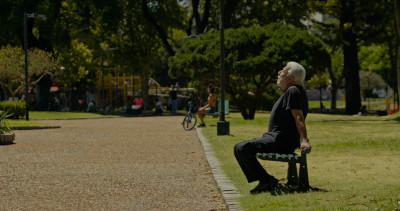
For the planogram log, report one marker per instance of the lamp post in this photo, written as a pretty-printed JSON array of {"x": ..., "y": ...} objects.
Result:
[
  {"x": 368, "y": 74},
  {"x": 320, "y": 96},
  {"x": 26, "y": 16},
  {"x": 369, "y": 91},
  {"x": 102, "y": 75},
  {"x": 126, "y": 92},
  {"x": 222, "y": 125}
]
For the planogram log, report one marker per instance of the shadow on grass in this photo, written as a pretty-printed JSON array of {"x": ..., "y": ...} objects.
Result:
[
  {"x": 213, "y": 125},
  {"x": 282, "y": 189}
]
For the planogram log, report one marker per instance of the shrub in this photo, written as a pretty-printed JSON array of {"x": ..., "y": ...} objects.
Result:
[{"x": 16, "y": 110}]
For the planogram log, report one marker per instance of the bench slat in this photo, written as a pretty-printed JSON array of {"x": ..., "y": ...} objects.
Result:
[{"x": 279, "y": 157}]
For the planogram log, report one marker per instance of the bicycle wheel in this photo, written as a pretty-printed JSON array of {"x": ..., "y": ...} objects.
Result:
[{"x": 189, "y": 121}]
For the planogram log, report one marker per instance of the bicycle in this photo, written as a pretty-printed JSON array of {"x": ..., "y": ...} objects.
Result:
[{"x": 190, "y": 120}]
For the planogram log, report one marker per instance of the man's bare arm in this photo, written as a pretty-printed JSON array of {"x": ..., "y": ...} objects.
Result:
[{"x": 301, "y": 127}]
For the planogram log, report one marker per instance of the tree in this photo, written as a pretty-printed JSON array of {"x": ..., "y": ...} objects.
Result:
[
  {"x": 348, "y": 24},
  {"x": 201, "y": 20},
  {"x": 12, "y": 67},
  {"x": 158, "y": 15},
  {"x": 397, "y": 12},
  {"x": 350, "y": 63},
  {"x": 253, "y": 58},
  {"x": 375, "y": 58}
]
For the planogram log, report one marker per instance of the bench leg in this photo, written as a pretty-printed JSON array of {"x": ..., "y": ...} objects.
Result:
[
  {"x": 303, "y": 175},
  {"x": 292, "y": 174}
]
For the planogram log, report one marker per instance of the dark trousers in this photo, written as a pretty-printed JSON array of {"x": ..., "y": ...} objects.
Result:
[{"x": 245, "y": 153}]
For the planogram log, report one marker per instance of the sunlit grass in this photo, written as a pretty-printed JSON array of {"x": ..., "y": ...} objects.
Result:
[
  {"x": 14, "y": 123},
  {"x": 355, "y": 160},
  {"x": 34, "y": 115},
  {"x": 369, "y": 103}
]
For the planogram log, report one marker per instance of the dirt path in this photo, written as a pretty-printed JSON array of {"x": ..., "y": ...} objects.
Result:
[{"x": 147, "y": 163}]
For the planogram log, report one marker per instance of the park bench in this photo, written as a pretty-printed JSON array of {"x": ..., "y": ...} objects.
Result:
[
  {"x": 301, "y": 181},
  {"x": 218, "y": 112}
]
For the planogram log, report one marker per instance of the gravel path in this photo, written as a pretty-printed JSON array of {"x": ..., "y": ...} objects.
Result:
[{"x": 143, "y": 163}]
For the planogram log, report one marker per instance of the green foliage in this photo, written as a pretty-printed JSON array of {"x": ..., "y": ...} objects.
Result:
[
  {"x": 251, "y": 13},
  {"x": 371, "y": 80},
  {"x": 12, "y": 67},
  {"x": 268, "y": 99},
  {"x": 375, "y": 58},
  {"x": 253, "y": 57},
  {"x": 4, "y": 124},
  {"x": 337, "y": 63},
  {"x": 373, "y": 19},
  {"x": 77, "y": 60},
  {"x": 16, "y": 110},
  {"x": 369, "y": 22},
  {"x": 319, "y": 80}
]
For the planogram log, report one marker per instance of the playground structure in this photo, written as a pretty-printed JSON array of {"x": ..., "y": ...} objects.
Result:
[{"x": 119, "y": 90}]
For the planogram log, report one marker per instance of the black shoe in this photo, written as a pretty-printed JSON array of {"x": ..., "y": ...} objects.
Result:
[
  {"x": 265, "y": 186},
  {"x": 202, "y": 125}
]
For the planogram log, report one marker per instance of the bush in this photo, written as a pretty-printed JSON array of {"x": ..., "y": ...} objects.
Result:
[{"x": 16, "y": 110}]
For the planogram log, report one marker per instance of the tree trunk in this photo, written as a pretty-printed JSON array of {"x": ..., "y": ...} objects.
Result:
[
  {"x": 350, "y": 66},
  {"x": 397, "y": 12},
  {"x": 392, "y": 52},
  {"x": 228, "y": 11},
  {"x": 246, "y": 104},
  {"x": 159, "y": 29},
  {"x": 333, "y": 87},
  {"x": 201, "y": 22},
  {"x": 240, "y": 105}
]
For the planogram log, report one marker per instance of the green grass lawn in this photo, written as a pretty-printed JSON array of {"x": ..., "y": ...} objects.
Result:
[
  {"x": 35, "y": 115},
  {"x": 354, "y": 162},
  {"x": 370, "y": 103}
]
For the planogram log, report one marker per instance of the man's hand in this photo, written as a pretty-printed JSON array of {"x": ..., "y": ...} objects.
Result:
[{"x": 305, "y": 147}]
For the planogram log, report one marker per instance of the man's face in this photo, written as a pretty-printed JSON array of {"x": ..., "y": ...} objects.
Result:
[{"x": 284, "y": 81}]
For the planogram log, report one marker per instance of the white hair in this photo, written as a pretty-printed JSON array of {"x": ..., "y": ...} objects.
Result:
[{"x": 298, "y": 72}]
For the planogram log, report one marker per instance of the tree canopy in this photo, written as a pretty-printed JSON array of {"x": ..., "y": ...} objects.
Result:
[
  {"x": 76, "y": 32},
  {"x": 254, "y": 56},
  {"x": 12, "y": 66}
]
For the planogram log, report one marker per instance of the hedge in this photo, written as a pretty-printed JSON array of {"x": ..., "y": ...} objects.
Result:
[{"x": 17, "y": 109}]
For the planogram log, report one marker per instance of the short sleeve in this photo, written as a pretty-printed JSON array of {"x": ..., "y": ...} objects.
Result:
[{"x": 292, "y": 98}]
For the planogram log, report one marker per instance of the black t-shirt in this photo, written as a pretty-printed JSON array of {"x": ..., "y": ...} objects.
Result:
[{"x": 282, "y": 123}]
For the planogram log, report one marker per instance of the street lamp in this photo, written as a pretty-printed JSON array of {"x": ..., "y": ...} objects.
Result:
[
  {"x": 222, "y": 125},
  {"x": 26, "y": 16},
  {"x": 369, "y": 91},
  {"x": 368, "y": 74},
  {"x": 102, "y": 75}
]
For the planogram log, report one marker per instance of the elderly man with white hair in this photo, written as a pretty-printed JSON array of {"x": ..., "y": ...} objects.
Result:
[{"x": 286, "y": 129}]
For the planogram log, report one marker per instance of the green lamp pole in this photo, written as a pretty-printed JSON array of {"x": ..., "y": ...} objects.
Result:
[{"x": 222, "y": 125}]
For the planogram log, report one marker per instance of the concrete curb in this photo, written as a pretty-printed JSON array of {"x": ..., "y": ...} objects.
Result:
[{"x": 227, "y": 188}]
